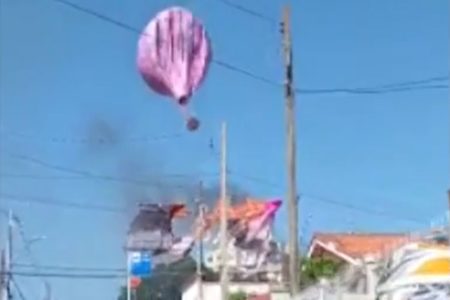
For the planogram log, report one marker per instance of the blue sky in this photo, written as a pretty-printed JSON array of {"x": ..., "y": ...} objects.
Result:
[{"x": 73, "y": 77}]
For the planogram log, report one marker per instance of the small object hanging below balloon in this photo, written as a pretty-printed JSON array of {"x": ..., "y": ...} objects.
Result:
[
  {"x": 192, "y": 124},
  {"x": 173, "y": 57}
]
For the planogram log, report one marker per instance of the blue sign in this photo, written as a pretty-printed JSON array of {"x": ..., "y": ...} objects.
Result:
[{"x": 140, "y": 264}]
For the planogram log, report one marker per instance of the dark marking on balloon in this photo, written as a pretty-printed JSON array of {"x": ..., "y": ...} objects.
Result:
[
  {"x": 181, "y": 37},
  {"x": 171, "y": 35},
  {"x": 158, "y": 40},
  {"x": 192, "y": 124}
]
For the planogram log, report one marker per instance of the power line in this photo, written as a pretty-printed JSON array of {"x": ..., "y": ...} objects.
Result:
[
  {"x": 43, "y": 177},
  {"x": 396, "y": 87},
  {"x": 104, "y": 141},
  {"x": 18, "y": 289},
  {"x": 91, "y": 175},
  {"x": 366, "y": 210},
  {"x": 93, "y": 207},
  {"x": 88, "y": 275},
  {"x": 247, "y": 73},
  {"x": 122, "y": 210},
  {"x": 72, "y": 205},
  {"x": 333, "y": 202},
  {"x": 250, "y": 12},
  {"x": 416, "y": 82},
  {"x": 59, "y": 177},
  {"x": 53, "y": 202},
  {"x": 279, "y": 187},
  {"x": 371, "y": 91},
  {"x": 69, "y": 268},
  {"x": 67, "y": 275}
]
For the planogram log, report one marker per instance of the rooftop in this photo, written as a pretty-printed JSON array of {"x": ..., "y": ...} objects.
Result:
[{"x": 357, "y": 245}]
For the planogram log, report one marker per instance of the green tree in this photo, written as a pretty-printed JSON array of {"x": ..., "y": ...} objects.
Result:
[
  {"x": 312, "y": 269},
  {"x": 238, "y": 296}
]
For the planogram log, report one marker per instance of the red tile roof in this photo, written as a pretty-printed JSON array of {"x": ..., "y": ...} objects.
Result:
[{"x": 357, "y": 245}]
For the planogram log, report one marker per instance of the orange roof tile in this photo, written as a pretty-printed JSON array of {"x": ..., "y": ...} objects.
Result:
[{"x": 357, "y": 245}]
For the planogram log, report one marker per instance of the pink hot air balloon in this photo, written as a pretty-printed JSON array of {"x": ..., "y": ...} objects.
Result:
[{"x": 173, "y": 56}]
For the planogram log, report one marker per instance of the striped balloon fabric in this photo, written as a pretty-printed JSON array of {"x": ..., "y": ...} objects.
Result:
[{"x": 173, "y": 55}]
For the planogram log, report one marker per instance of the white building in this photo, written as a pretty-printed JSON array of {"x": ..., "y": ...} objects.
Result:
[{"x": 211, "y": 290}]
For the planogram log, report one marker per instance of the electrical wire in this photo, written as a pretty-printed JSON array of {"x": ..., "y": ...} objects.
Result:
[
  {"x": 18, "y": 289},
  {"x": 65, "y": 204},
  {"x": 333, "y": 202},
  {"x": 84, "y": 174},
  {"x": 369, "y": 91},
  {"x": 67, "y": 275},
  {"x": 396, "y": 87},
  {"x": 366, "y": 210},
  {"x": 104, "y": 141},
  {"x": 89, "y": 175},
  {"x": 69, "y": 268},
  {"x": 415, "y": 82},
  {"x": 250, "y": 12},
  {"x": 322, "y": 199},
  {"x": 89, "y": 275},
  {"x": 92, "y": 207},
  {"x": 26, "y": 243}
]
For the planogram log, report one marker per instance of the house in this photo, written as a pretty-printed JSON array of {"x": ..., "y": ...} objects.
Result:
[
  {"x": 352, "y": 247},
  {"x": 358, "y": 255}
]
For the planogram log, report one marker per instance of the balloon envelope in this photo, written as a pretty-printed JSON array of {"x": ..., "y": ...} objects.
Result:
[{"x": 174, "y": 54}]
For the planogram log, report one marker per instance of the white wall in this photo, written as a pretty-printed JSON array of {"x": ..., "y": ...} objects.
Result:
[{"x": 211, "y": 291}]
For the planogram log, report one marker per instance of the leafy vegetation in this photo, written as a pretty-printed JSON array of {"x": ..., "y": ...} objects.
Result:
[
  {"x": 238, "y": 296},
  {"x": 166, "y": 283},
  {"x": 314, "y": 269}
]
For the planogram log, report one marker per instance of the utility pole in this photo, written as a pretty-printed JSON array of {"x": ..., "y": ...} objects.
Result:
[
  {"x": 223, "y": 216},
  {"x": 128, "y": 274},
  {"x": 9, "y": 254},
  {"x": 3, "y": 286},
  {"x": 200, "y": 223},
  {"x": 448, "y": 216},
  {"x": 291, "y": 156},
  {"x": 48, "y": 291},
  {"x": 6, "y": 262}
]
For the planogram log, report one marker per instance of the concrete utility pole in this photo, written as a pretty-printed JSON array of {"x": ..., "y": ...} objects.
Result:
[
  {"x": 291, "y": 156},
  {"x": 48, "y": 292},
  {"x": 200, "y": 220},
  {"x": 128, "y": 275},
  {"x": 223, "y": 216},
  {"x": 6, "y": 261},
  {"x": 3, "y": 286},
  {"x": 9, "y": 254},
  {"x": 448, "y": 216}
]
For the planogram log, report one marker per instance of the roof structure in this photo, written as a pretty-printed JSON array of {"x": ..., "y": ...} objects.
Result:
[{"x": 353, "y": 246}]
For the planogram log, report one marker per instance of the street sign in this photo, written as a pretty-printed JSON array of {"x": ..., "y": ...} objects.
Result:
[{"x": 140, "y": 264}]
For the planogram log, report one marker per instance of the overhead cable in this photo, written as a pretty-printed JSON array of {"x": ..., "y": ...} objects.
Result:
[{"x": 396, "y": 87}]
